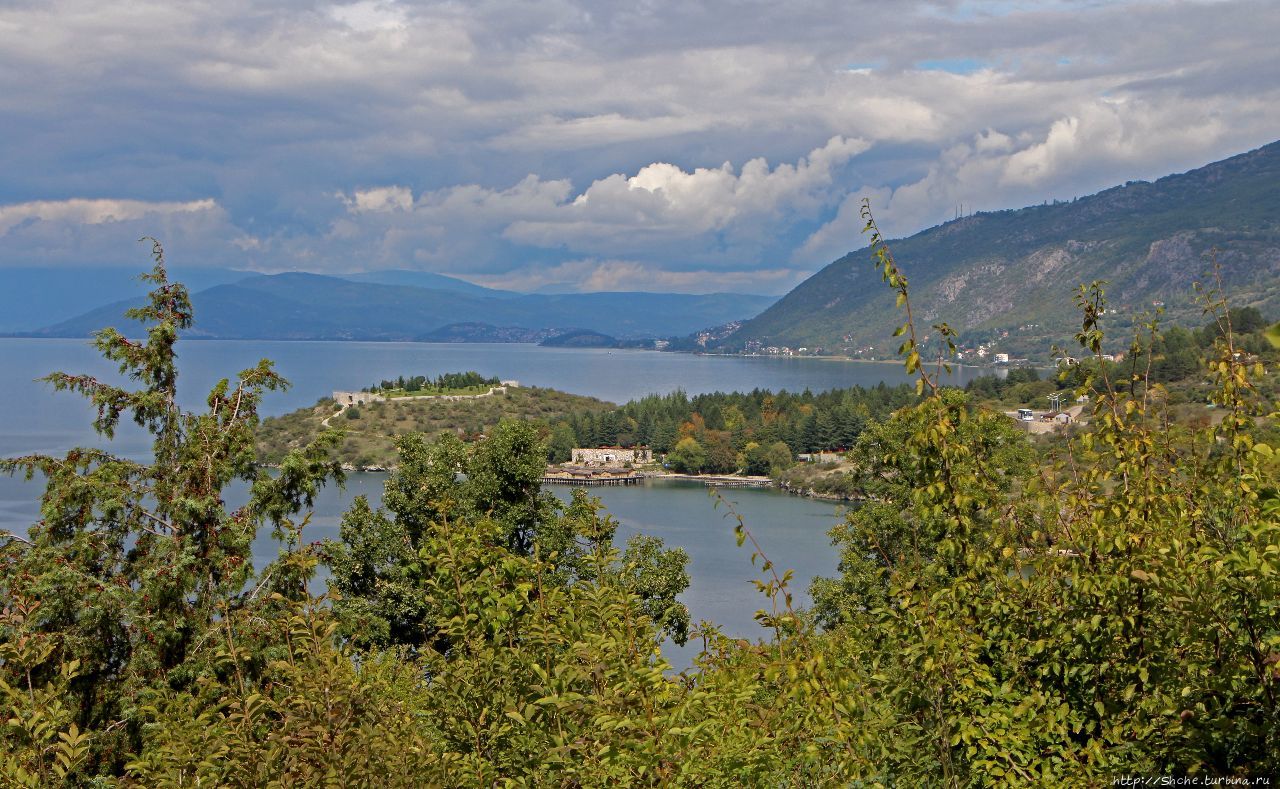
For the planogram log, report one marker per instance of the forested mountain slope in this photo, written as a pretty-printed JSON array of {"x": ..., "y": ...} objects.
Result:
[{"x": 998, "y": 271}]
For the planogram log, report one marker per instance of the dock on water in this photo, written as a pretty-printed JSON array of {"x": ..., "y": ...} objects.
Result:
[
  {"x": 721, "y": 480},
  {"x": 590, "y": 477}
]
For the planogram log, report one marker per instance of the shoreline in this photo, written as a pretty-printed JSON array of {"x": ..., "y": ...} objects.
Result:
[
  {"x": 302, "y": 340},
  {"x": 707, "y": 480}
]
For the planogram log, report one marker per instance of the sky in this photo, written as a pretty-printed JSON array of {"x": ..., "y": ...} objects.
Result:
[{"x": 559, "y": 145}]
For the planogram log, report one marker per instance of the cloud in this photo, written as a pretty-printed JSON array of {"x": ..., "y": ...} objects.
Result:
[
  {"x": 382, "y": 198},
  {"x": 93, "y": 212},
  {"x": 1103, "y": 142},
  {"x": 104, "y": 230},
  {"x": 370, "y": 15},
  {"x": 706, "y": 216},
  {"x": 503, "y": 139},
  {"x": 628, "y": 275},
  {"x": 598, "y": 130}
]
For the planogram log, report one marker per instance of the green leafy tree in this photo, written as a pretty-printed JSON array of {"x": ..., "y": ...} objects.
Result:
[
  {"x": 772, "y": 459},
  {"x": 1108, "y": 610},
  {"x": 381, "y": 566},
  {"x": 888, "y": 534},
  {"x": 688, "y": 456},
  {"x": 720, "y": 457},
  {"x": 561, "y": 444},
  {"x": 135, "y": 563}
]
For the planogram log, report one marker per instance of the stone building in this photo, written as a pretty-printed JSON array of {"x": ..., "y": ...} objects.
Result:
[
  {"x": 356, "y": 398},
  {"x": 611, "y": 456}
]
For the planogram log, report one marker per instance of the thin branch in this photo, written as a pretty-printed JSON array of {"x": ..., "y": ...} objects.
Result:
[{"x": 12, "y": 536}]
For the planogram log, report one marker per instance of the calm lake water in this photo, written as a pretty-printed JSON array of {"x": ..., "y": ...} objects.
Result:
[{"x": 791, "y": 529}]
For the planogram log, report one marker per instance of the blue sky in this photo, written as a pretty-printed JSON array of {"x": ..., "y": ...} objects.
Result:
[{"x": 566, "y": 145}]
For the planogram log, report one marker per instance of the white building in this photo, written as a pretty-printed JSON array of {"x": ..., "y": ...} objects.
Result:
[
  {"x": 611, "y": 456},
  {"x": 357, "y": 398}
]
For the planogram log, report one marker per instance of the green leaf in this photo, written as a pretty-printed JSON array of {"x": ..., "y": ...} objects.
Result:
[{"x": 1273, "y": 335}]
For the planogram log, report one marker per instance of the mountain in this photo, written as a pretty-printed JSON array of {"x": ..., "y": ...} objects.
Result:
[
  {"x": 1015, "y": 271},
  {"x": 427, "y": 279},
  {"x": 299, "y": 306},
  {"x": 580, "y": 338},
  {"x": 471, "y": 331},
  {"x": 40, "y": 296}
]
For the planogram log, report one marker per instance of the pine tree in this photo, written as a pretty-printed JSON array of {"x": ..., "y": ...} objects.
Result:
[{"x": 135, "y": 563}]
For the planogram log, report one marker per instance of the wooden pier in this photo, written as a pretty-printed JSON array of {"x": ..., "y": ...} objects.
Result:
[
  {"x": 592, "y": 480},
  {"x": 721, "y": 481},
  {"x": 592, "y": 477}
]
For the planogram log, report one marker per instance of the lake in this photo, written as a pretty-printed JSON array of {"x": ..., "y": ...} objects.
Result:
[{"x": 791, "y": 529}]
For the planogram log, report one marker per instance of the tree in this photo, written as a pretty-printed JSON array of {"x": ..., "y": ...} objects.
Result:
[
  {"x": 771, "y": 459},
  {"x": 754, "y": 459},
  {"x": 688, "y": 456},
  {"x": 887, "y": 534},
  {"x": 779, "y": 457},
  {"x": 656, "y": 575},
  {"x": 383, "y": 566},
  {"x": 720, "y": 457},
  {"x": 136, "y": 565},
  {"x": 1113, "y": 609},
  {"x": 561, "y": 444}
]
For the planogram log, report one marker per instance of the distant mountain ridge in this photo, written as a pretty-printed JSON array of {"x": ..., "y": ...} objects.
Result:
[
  {"x": 1015, "y": 271},
  {"x": 301, "y": 306},
  {"x": 429, "y": 280},
  {"x": 35, "y": 296}
]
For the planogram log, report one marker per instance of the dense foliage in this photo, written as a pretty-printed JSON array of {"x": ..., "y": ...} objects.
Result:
[
  {"x": 370, "y": 433},
  {"x": 116, "y": 592},
  {"x": 722, "y": 433},
  {"x": 444, "y": 383},
  {"x": 1112, "y": 610}
]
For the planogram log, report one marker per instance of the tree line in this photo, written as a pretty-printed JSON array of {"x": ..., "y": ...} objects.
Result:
[
  {"x": 996, "y": 618},
  {"x": 723, "y": 432},
  {"x": 444, "y": 382}
]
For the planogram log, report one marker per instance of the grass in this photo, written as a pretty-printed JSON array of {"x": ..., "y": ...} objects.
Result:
[
  {"x": 369, "y": 438},
  {"x": 431, "y": 391}
]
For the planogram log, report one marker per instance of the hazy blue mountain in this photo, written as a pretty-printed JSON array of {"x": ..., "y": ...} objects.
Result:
[
  {"x": 31, "y": 297},
  {"x": 427, "y": 279},
  {"x": 1016, "y": 271},
  {"x": 580, "y": 338},
  {"x": 313, "y": 306}
]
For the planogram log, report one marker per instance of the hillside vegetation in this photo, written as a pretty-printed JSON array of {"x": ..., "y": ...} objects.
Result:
[
  {"x": 370, "y": 432},
  {"x": 720, "y": 433},
  {"x": 1107, "y": 612},
  {"x": 1010, "y": 271}
]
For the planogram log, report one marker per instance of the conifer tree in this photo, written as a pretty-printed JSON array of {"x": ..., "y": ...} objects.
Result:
[{"x": 135, "y": 562}]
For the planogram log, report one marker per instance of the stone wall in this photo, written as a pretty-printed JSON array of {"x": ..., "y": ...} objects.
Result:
[
  {"x": 363, "y": 398},
  {"x": 356, "y": 398},
  {"x": 611, "y": 456}
]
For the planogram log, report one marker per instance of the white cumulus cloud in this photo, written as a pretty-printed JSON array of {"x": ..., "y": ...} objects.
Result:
[{"x": 93, "y": 212}]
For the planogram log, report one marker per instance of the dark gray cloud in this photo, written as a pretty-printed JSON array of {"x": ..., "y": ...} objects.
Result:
[{"x": 605, "y": 144}]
